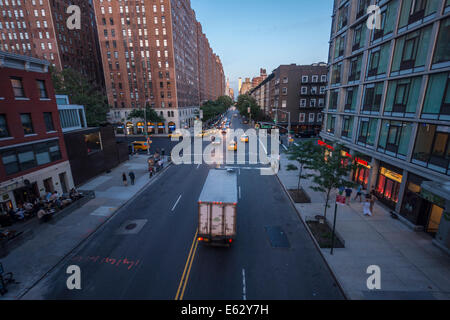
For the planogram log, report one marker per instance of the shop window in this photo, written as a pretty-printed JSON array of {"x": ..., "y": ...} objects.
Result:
[
  {"x": 437, "y": 98},
  {"x": 442, "y": 52},
  {"x": 411, "y": 51},
  {"x": 388, "y": 186},
  {"x": 93, "y": 143},
  {"x": 432, "y": 148}
]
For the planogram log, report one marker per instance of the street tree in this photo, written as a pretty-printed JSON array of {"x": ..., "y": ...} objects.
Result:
[
  {"x": 331, "y": 168},
  {"x": 304, "y": 153},
  {"x": 80, "y": 91},
  {"x": 150, "y": 114}
]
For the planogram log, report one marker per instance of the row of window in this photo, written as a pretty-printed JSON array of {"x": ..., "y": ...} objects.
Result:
[
  {"x": 431, "y": 149},
  {"x": 27, "y": 124},
  {"x": 30, "y": 156},
  {"x": 19, "y": 91},
  {"x": 402, "y": 98},
  {"x": 311, "y": 118},
  {"x": 410, "y": 55}
]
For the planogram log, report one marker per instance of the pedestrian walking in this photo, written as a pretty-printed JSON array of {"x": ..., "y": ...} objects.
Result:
[
  {"x": 348, "y": 195},
  {"x": 132, "y": 177},
  {"x": 359, "y": 193},
  {"x": 151, "y": 172},
  {"x": 366, "y": 207},
  {"x": 373, "y": 198},
  {"x": 341, "y": 190},
  {"x": 124, "y": 178}
]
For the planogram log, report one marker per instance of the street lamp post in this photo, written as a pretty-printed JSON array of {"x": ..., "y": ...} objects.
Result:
[
  {"x": 289, "y": 122},
  {"x": 146, "y": 127}
]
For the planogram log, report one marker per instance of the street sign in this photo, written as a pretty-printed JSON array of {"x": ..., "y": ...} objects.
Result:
[{"x": 340, "y": 200}]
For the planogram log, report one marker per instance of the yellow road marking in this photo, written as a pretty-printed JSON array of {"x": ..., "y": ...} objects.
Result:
[
  {"x": 189, "y": 271},
  {"x": 188, "y": 263}
]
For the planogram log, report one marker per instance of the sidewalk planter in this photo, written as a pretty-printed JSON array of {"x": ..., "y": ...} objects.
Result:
[{"x": 339, "y": 241}]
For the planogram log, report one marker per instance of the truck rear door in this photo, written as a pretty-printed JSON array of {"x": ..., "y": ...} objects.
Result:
[
  {"x": 217, "y": 221},
  {"x": 230, "y": 220},
  {"x": 204, "y": 218}
]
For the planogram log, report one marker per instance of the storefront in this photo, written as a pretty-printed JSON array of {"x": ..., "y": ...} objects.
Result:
[
  {"x": 433, "y": 211},
  {"x": 130, "y": 128},
  {"x": 151, "y": 128},
  {"x": 172, "y": 127},
  {"x": 414, "y": 207},
  {"x": 120, "y": 128},
  {"x": 140, "y": 128},
  {"x": 161, "y": 128},
  {"x": 388, "y": 184},
  {"x": 362, "y": 173}
]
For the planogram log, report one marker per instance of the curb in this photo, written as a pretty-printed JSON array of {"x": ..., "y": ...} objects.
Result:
[
  {"x": 346, "y": 297},
  {"x": 20, "y": 295}
]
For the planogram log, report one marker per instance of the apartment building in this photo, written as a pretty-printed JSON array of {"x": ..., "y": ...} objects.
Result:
[
  {"x": 389, "y": 103},
  {"x": 38, "y": 28},
  {"x": 33, "y": 157},
  {"x": 155, "y": 54},
  {"x": 297, "y": 89}
]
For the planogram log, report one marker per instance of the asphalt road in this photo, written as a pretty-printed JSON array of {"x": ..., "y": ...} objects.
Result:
[{"x": 169, "y": 263}]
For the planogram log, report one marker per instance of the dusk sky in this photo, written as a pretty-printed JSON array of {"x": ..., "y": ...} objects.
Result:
[{"x": 253, "y": 34}]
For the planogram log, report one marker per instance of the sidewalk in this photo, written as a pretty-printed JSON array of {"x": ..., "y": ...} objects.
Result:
[
  {"x": 411, "y": 266},
  {"x": 51, "y": 242}
]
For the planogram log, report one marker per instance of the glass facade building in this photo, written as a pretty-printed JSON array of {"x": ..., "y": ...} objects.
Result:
[{"x": 388, "y": 100}]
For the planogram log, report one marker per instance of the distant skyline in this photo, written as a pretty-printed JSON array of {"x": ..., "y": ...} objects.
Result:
[{"x": 253, "y": 34}]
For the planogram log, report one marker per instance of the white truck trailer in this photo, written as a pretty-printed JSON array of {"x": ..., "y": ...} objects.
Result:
[{"x": 217, "y": 208}]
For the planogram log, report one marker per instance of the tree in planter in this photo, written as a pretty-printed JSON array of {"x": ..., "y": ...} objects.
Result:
[
  {"x": 331, "y": 170},
  {"x": 304, "y": 153}
]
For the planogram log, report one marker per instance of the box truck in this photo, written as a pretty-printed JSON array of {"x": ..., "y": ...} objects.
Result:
[{"x": 217, "y": 208}]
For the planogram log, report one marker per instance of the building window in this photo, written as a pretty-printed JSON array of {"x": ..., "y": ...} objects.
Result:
[
  {"x": 347, "y": 127},
  {"x": 359, "y": 36},
  {"x": 27, "y": 124},
  {"x": 394, "y": 138},
  {"x": 302, "y": 103},
  {"x": 372, "y": 98},
  {"x": 351, "y": 99},
  {"x": 437, "y": 99},
  {"x": 355, "y": 68},
  {"x": 378, "y": 61},
  {"x": 442, "y": 52},
  {"x": 331, "y": 124},
  {"x": 367, "y": 131},
  {"x": 305, "y": 79},
  {"x": 411, "y": 51},
  {"x": 432, "y": 148},
  {"x": 302, "y": 118},
  {"x": 339, "y": 46},
  {"x": 388, "y": 19},
  {"x": 402, "y": 97},
  {"x": 415, "y": 10},
  {"x": 48, "y": 122},
  {"x": 4, "y": 133},
  {"x": 334, "y": 97},
  {"x": 336, "y": 73},
  {"x": 42, "y": 90},
  {"x": 17, "y": 86}
]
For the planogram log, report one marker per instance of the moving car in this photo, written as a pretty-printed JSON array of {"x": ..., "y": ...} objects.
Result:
[
  {"x": 140, "y": 146},
  {"x": 244, "y": 138},
  {"x": 175, "y": 134}
]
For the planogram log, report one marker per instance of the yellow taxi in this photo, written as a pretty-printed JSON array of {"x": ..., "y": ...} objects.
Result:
[
  {"x": 244, "y": 138},
  {"x": 232, "y": 146},
  {"x": 175, "y": 134},
  {"x": 140, "y": 146}
]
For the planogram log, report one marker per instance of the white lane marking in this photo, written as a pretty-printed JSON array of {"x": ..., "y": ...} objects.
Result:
[
  {"x": 262, "y": 145},
  {"x": 176, "y": 203},
  {"x": 239, "y": 192},
  {"x": 284, "y": 147},
  {"x": 244, "y": 286},
  {"x": 296, "y": 144},
  {"x": 198, "y": 166}
]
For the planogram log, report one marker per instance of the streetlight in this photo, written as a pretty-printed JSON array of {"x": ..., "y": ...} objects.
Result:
[{"x": 146, "y": 127}]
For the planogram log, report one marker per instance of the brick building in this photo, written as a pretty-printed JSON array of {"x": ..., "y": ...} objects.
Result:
[
  {"x": 300, "y": 90},
  {"x": 33, "y": 157},
  {"x": 38, "y": 28},
  {"x": 154, "y": 53}
]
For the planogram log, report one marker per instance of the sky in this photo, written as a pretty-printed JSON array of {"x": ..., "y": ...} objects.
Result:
[{"x": 253, "y": 34}]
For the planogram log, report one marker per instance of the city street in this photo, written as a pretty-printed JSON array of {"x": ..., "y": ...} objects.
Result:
[{"x": 149, "y": 249}]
